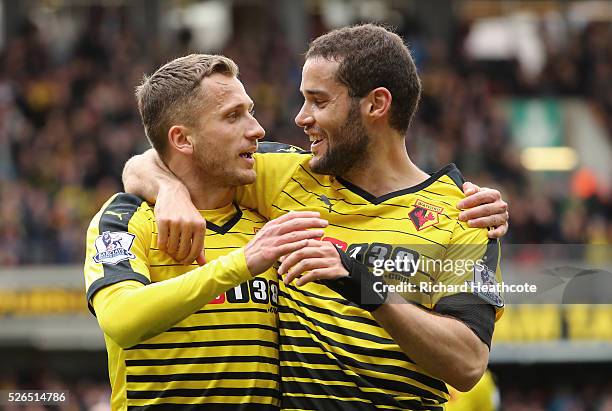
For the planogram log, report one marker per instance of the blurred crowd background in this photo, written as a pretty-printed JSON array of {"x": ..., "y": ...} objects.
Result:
[{"x": 68, "y": 118}]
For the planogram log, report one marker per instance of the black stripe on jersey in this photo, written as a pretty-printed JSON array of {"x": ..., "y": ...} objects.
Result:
[
  {"x": 491, "y": 256},
  {"x": 293, "y": 198},
  {"x": 374, "y": 231},
  {"x": 361, "y": 350},
  {"x": 390, "y": 231},
  {"x": 208, "y": 248},
  {"x": 253, "y": 221},
  {"x": 313, "y": 177},
  {"x": 231, "y": 310},
  {"x": 347, "y": 393},
  {"x": 457, "y": 177},
  {"x": 276, "y": 147},
  {"x": 361, "y": 204},
  {"x": 320, "y": 297},
  {"x": 340, "y": 392},
  {"x": 229, "y": 224},
  {"x": 202, "y": 360},
  {"x": 437, "y": 199},
  {"x": 209, "y": 406},
  {"x": 123, "y": 207},
  {"x": 331, "y": 198},
  {"x": 111, "y": 279},
  {"x": 204, "y": 376},
  {"x": 331, "y": 404},
  {"x": 203, "y": 392},
  {"x": 328, "y": 404},
  {"x": 441, "y": 229},
  {"x": 344, "y": 361},
  {"x": 354, "y": 318},
  {"x": 223, "y": 327},
  {"x": 234, "y": 232},
  {"x": 448, "y": 170},
  {"x": 194, "y": 344},
  {"x": 293, "y": 325},
  {"x": 353, "y": 349},
  {"x": 363, "y": 381}
]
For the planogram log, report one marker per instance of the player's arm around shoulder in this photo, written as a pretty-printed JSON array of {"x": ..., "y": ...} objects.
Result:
[{"x": 275, "y": 165}]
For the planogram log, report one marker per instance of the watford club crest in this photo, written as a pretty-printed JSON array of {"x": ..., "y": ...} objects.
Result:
[{"x": 424, "y": 215}]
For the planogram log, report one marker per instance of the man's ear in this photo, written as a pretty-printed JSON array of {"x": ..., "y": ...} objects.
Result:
[
  {"x": 376, "y": 104},
  {"x": 179, "y": 139}
]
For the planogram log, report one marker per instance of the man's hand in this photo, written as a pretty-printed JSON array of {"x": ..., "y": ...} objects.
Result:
[
  {"x": 282, "y": 236},
  {"x": 346, "y": 276},
  {"x": 180, "y": 225},
  {"x": 484, "y": 208},
  {"x": 319, "y": 258}
]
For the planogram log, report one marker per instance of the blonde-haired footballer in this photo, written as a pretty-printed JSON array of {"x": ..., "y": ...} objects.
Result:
[
  {"x": 183, "y": 337},
  {"x": 346, "y": 341}
]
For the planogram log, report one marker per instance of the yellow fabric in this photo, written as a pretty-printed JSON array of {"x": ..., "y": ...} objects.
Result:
[
  {"x": 183, "y": 334},
  {"x": 332, "y": 351},
  {"x": 483, "y": 397}
]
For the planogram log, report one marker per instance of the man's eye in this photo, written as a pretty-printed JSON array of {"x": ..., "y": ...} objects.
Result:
[
  {"x": 233, "y": 115},
  {"x": 319, "y": 104}
]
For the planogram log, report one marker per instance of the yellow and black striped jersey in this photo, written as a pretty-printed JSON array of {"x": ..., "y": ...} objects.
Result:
[
  {"x": 334, "y": 355},
  {"x": 222, "y": 357}
]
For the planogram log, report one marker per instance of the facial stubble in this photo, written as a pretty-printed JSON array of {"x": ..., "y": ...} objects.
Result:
[{"x": 347, "y": 148}]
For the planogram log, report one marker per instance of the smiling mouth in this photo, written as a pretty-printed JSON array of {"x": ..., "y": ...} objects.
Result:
[
  {"x": 247, "y": 154},
  {"x": 316, "y": 141}
]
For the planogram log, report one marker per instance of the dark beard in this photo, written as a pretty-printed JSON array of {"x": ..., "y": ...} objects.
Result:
[{"x": 349, "y": 148}]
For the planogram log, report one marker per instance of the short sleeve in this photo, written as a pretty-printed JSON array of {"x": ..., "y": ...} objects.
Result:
[{"x": 471, "y": 264}]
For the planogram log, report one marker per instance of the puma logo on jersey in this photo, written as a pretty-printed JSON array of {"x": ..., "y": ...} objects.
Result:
[
  {"x": 118, "y": 215},
  {"x": 323, "y": 198}
]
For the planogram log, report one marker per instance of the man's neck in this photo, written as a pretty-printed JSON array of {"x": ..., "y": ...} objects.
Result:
[
  {"x": 205, "y": 193},
  {"x": 209, "y": 196},
  {"x": 387, "y": 169}
]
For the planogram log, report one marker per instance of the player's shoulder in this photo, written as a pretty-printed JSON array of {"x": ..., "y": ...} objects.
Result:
[
  {"x": 121, "y": 209},
  {"x": 273, "y": 147},
  {"x": 280, "y": 159},
  {"x": 443, "y": 188},
  {"x": 448, "y": 181}
]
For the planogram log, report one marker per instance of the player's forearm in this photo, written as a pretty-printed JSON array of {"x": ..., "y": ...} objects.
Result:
[
  {"x": 442, "y": 346},
  {"x": 145, "y": 175},
  {"x": 129, "y": 312}
]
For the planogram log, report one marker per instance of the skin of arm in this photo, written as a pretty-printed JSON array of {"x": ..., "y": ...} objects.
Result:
[{"x": 458, "y": 357}]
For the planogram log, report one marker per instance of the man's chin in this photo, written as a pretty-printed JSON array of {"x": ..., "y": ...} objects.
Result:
[
  {"x": 246, "y": 177},
  {"x": 317, "y": 164}
]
